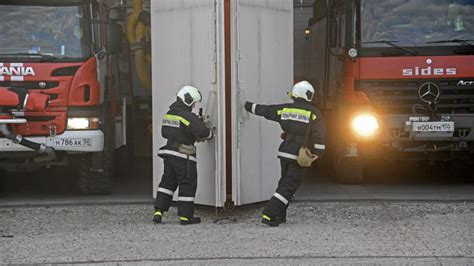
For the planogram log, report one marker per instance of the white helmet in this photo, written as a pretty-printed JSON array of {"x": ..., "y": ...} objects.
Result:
[
  {"x": 189, "y": 95},
  {"x": 302, "y": 89}
]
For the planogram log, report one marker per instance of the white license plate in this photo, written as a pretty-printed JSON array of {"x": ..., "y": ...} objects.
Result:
[
  {"x": 73, "y": 142},
  {"x": 433, "y": 126}
]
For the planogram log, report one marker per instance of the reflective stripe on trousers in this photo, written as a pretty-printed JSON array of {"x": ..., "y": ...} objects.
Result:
[{"x": 177, "y": 154}]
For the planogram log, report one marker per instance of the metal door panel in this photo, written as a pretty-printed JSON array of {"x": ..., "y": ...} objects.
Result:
[
  {"x": 262, "y": 34},
  {"x": 187, "y": 49}
]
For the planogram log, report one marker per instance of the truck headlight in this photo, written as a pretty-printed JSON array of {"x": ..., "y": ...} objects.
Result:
[
  {"x": 365, "y": 125},
  {"x": 78, "y": 123}
]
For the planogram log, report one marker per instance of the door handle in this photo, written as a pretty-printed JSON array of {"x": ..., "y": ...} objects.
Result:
[
  {"x": 210, "y": 105},
  {"x": 243, "y": 113},
  {"x": 210, "y": 109}
]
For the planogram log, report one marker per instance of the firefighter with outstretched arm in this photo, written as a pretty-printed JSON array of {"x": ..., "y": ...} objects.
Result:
[{"x": 303, "y": 143}]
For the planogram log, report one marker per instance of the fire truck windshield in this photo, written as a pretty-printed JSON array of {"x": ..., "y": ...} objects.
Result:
[
  {"x": 415, "y": 23},
  {"x": 58, "y": 31}
]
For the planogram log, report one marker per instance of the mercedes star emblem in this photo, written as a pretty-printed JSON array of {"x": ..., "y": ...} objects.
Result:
[{"x": 429, "y": 92}]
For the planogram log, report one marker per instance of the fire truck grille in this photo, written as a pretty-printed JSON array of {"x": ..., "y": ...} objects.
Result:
[{"x": 401, "y": 96}]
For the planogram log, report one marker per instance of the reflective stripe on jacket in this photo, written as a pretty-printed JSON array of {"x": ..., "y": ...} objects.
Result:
[
  {"x": 294, "y": 119},
  {"x": 181, "y": 126}
]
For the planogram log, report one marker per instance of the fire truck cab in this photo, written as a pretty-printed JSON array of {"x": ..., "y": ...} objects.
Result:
[
  {"x": 397, "y": 80},
  {"x": 59, "y": 97}
]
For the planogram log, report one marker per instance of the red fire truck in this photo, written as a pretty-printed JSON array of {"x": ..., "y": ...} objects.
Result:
[
  {"x": 397, "y": 79},
  {"x": 59, "y": 97}
]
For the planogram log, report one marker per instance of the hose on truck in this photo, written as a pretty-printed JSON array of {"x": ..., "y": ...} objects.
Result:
[
  {"x": 18, "y": 139},
  {"x": 138, "y": 31}
]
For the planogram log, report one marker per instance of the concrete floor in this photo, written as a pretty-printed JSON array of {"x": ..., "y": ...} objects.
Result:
[
  {"x": 336, "y": 233},
  {"x": 409, "y": 215}
]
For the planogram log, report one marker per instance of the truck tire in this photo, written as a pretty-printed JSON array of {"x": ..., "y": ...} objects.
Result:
[
  {"x": 349, "y": 170},
  {"x": 96, "y": 170}
]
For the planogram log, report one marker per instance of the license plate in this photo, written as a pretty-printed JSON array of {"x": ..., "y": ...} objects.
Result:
[
  {"x": 73, "y": 142},
  {"x": 433, "y": 126},
  {"x": 431, "y": 130}
]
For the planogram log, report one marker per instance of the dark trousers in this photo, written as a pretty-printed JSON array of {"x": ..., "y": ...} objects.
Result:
[
  {"x": 178, "y": 172},
  {"x": 292, "y": 175}
]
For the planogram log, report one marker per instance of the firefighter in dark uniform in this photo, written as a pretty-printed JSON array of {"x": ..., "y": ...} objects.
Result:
[
  {"x": 301, "y": 122},
  {"x": 182, "y": 128}
]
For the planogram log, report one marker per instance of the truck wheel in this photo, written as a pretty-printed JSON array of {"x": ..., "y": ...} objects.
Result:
[
  {"x": 349, "y": 170},
  {"x": 97, "y": 169}
]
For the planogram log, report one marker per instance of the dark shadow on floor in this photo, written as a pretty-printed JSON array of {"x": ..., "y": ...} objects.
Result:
[{"x": 61, "y": 181}]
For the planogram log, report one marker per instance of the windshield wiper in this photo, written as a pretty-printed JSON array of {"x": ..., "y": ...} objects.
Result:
[
  {"x": 463, "y": 42},
  {"x": 46, "y": 57},
  {"x": 391, "y": 43}
]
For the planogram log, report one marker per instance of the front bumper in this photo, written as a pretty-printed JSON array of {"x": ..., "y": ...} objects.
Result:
[
  {"x": 394, "y": 141},
  {"x": 393, "y": 128},
  {"x": 69, "y": 141}
]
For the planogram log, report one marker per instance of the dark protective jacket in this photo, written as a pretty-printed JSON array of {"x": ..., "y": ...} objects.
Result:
[
  {"x": 181, "y": 126},
  {"x": 294, "y": 119}
]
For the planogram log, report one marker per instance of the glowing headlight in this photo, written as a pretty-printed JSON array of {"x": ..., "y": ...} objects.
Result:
[
  {"x": 78, "y": 123},
  {"x": 365, "y": 125}
]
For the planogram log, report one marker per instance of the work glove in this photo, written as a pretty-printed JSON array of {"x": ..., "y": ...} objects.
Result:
[{"x": 248, "y": 106}]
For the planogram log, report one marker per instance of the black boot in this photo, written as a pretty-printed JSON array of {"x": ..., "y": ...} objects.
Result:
[
  {"x": 185, "y": 220},
  {"x": 157, "y": 216},
  {"x": 186, "y": 213},
  {"x": 274, "y": 212},
  {"x": 273, "y": 221}
]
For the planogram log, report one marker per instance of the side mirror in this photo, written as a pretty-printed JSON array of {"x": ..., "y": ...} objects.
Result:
[
  {"x": 320, "y": 11},
  {"x": 332, "y": 33},
  {"x": 114, "y": 38}
]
